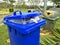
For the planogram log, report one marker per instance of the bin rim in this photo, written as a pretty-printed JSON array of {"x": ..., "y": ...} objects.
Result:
[{"x": 25, "y": 30}]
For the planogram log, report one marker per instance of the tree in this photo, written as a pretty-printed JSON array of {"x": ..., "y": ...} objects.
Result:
[
  {"x": 6, "y": 0},
  {"x": 12, "y": 1},
  {"x": 21, "y": 2},
  {"x": 55, "y": 2},
  {"x": 12, "y": 6},
  {"x": 34, "y": 2}
]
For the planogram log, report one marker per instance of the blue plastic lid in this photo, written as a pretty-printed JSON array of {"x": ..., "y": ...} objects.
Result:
[{"x": 22, "y": 15}]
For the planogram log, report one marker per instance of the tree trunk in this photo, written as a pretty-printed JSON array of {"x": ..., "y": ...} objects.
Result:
[{"x": 11, "y": 8}]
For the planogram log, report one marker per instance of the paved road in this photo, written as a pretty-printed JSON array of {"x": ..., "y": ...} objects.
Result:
[{"x": 1, "y": 19}]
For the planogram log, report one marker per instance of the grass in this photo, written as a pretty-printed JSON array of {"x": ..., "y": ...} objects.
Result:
[
  {"x": 6, "y": 11},
  {"x": 3, "y": 35},
  {"x": 57, "y": 25}
]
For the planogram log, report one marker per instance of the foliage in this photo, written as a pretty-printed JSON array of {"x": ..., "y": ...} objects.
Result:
[
  {"x": 52, "y": 38},
  {"x": 21, "y": 2},
  {"x": 56, "y": 1},
  {"x": 34, "y": 2},
  {"x": 6, "y": 0},
  {"x": 4, "y": 5},
  {"x": 12, "y": 1}
]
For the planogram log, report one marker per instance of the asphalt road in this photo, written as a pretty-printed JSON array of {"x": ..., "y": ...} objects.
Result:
[{"x": 1, "y": 19}]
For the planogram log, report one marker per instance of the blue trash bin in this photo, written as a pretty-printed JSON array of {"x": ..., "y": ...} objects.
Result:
[{"x": 24, "y": 33}]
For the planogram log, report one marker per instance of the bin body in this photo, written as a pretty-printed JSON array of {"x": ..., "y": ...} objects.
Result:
[
  {"x": 17, "y": 38},
  {"x": 51, "y": 18},
  {"x": 28, "y": 36},
  {"x": 24, "y": 34},
  {"x": 49, "y": 25}
]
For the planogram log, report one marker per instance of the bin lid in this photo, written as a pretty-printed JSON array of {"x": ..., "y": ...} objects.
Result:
[{"x": 22, "y": 15}]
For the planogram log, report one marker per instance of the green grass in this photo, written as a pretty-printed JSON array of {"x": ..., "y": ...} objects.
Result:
[
  {"x": 6, "y": 11},
  {"x": 57, "y": 25},
  {"x": 3, "y": 35}
]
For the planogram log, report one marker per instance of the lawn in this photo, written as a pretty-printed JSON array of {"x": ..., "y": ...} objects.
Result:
[
  {"x": 57, "y": 25},
  {"x": 4, "y": 33},
  {"x": 6, "y": 11}
]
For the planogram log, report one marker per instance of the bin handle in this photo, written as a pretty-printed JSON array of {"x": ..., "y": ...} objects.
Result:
[{"x": 15, "y": 13}]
